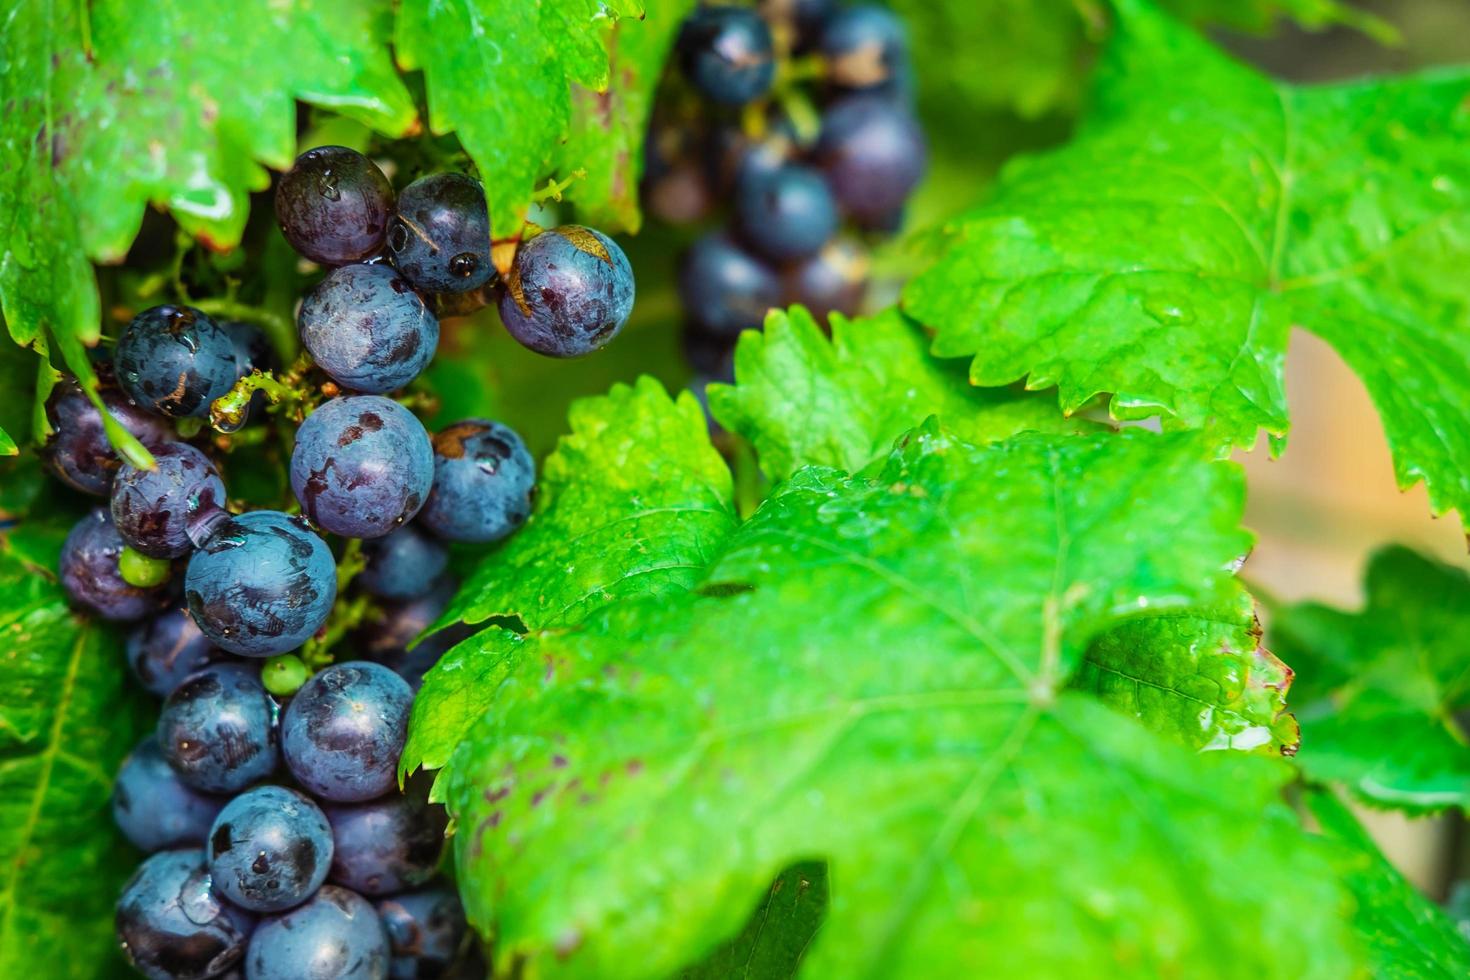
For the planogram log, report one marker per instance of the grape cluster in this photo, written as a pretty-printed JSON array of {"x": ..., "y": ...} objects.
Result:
[
  {"x": 798, "y": 114},
  {"x": 267, "y": 797}
]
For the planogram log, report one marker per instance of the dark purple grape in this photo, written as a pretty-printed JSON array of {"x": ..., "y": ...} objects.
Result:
[
  {"x": 425, "y": 929},
  {"x": 386, "y": 845},
  {"x": 167, "y": 648},
  {"x": 835, "y": 279},
  {"x": 569, "y": 292},
  {"x": 440, "y": 238},
  {"x": 366, "y": 327},
  {"x": 362, "y": 466},
  {"x": 865, "y": 47},
  {"x": 153, "y": 509},
  {"x": 333, "y": 205},
  {"x": 90, "y": 575},
  {"x": 483, "y": 479},
  {"x": 154, "y": 808},
  {"x": 269, "y": 849},
  {"x": 787, "y": 214},
  {"x": 402, "y": 565},
  {"x": 262, "y": 584},
  {"x": 385, "y": 638},
  {"x": 873, "y": 154},
  {"x": 218, "y": 729},
  {"x": 174, "y": 361},
  {"x": 77, "y": 450},
  {"x": 727, "y": 54},
  {"x": 725, "y": 289},
  {"x": 337, "y": 935},
  {"x": 173, "y": 925},
  {"x": 344, "y": 730}
]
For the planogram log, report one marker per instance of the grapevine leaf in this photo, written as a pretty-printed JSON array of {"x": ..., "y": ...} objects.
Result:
[
  {"x": 1200, "y": 213},
  {"x": 778, "y": 933},
  {"x": 7, "y": 444},
  {"x": 1198, "y": 676},
  {"x": 66, "y": 721},
  {"x": 1378, "y": 689}
]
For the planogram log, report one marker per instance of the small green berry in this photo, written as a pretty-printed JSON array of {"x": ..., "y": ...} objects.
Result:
[
  {"x": 142, "y": 571},
  {"x": 284, "y": 675}
]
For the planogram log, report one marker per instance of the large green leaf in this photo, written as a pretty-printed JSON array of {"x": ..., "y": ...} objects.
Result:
[
  {"x": 1200, "y": 213},
  {"x": 871, "y": 675},
  {"x": 1378, "y": 690},
  {"x": 67, "y": 718}
]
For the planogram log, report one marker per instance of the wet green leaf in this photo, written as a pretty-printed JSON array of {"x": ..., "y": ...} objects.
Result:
[{"x": 777, "y": 934}]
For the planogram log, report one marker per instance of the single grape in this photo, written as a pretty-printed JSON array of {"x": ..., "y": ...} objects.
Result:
[
  {"x": 269, "y": 849},
  {"x": 402, "y": 565},
  {"x": 90, "y": 574},
  {"x": 261, "y": 584},
  {"x": 336, "y": 935},
  {"x": 725, "y": 289},
  {"x": 483, "y": 480},
  {"x": 154, "y": 808},
  {"x": 569, "y": 292},
  {"x": 785, "y": 215},
  {"x": 167, "y": 648},
  {"x": 362, "y": 466},
  {"x": 218, "y": 729},
  {"x": 440, "y": 238},
  {"x": 252, "y": 349},
  {"x": 77, "y": 450},
  {"x": 344, "y": 730},
  {"x": 284, "y": 674},
  {"x": 138, "y": 569},
  {"x": 366, "y": 327},
  {"x": 873, "y": 154},
  {"x": 727, "y": 54},
  {"x": 865, "y": 47},
  {"x": 152, "y": 508},
  {"x": 172, "y": 923},
  {"x": 386, "y": 636},
  {"x": 386, "y": 845},
  {"x": 425, "y": 929},
  {"x": 333, "y": 205},
  {"x": 835, "y": 279},
  {"x": 174, "y": 361}
]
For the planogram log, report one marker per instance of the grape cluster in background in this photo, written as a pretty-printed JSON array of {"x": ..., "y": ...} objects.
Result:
[
  {"x": 791, "y": 126},
  {"x": 268, "y": 800}
]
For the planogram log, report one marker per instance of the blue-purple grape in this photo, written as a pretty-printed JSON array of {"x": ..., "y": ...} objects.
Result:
[
  {"x": 569, "y": 292},
  {"x": 337, "y": 935},
  {"x": 402, "y": 565},
  {"x": 723, "y": 288},
  {"x": 440, "y": 237},
  {"x": 386, "y": 845},
  {"x": 483, "y": 480},
  {"x": 425, "y": 929},
  {"x": 270, "y": 848},
  {"x": 262, "y": 584},
  {"x": 872, "y": 151},
  {"x": 152, "y": 509},
  {"x": 366, "y": 327},
  {"x": 362, "y": 466},
  {"x": 833, "y": 280},
  {"x": 865, "y": 47},
  {"x": 172, "y": 923},
  {"x": 174, "y": 361},
  {"x": 90, "y": 575},
  {"x": 333, "y": 205},
  {"x": 154, "y": 808},
  {"x": 386, "y": 636},
  {"x": 218, "y": 729},
  {"x": 727, "y": 54},
  {"x": 344, "y": 730},
  {"x": 787, "y": 214},
  {"x": 167, "y": 648},
  {"x": 77, "y": 450}
]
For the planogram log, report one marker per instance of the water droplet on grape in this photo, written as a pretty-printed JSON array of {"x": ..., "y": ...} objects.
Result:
[
  {"x": 398, "y": 237},
  {"x": 464, "y": 264}
]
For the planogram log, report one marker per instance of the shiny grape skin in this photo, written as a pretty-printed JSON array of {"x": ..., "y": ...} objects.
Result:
[
  {"x": 270, "y": 848},
  {"x": 262, "y": 584},
  {"x": 344, "y": 730},
  {"x": 77, "y": 450},
  {"x": 362, "y": 466},
  {"x": 835, "y": 279},
  {"x": 865, "y": 47},
  {"x": 873, "y": 154},
  {"x": 366, "y": 327},
  {"x": 483, "y": 480},
  {"x": 152, "y": 508},
  {"x": 424, "y": 931},
  {"x": 173, "y": 925},
  {"x": 167, "y": 648},
  {"x": 90, "y": 576},
  {"x": 723, "y": 288},
  {"x": 333, "y": 205},
  {"x": 727, "y": 54},
  {"x": 174, "y": 361},
  {"x": 336, "y": 935},
  {"x": 386, "y": 845},
  {"x": 786, "y": 214},
  {"x": 440, "y": 237},
  {"x": 568, "y": 293},
  {"x": 218, "y": 729},
  {"x": 402, "y": 565},
  {"x": 154, "y": 808}
]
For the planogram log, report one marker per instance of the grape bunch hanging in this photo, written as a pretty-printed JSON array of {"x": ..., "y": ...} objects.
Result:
[
  {"x": 798, "y": 114},
  {"x": 268, "y": 797}
]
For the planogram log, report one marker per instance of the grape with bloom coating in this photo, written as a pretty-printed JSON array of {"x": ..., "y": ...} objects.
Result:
[
  {"x": 344, "y": 730},
  {"x": 218, "y": 729},
  {"x": 152, "y": 509},
  {"x": 568, "y": 293},
  {"x": 90, "y": 575},
  {"x": 366, "y": 327},
  {"x": 483, "y": 479},
  {"x": 873, "y": 154},
  {"x": 167, "y": 648},
  {"x": 173, "y": 924},
  {"x": 440, "y": 237},
  {"x": 154, "y": 808},
  {"x": 77, "y": 450},
  {"x": 724, "y": 288},
  {"x": 333, "y": 205},
  {"x": 174, "y": 361},
  {"x": 424, "y": 931},
  {"x": 386, "y": 845},
  {"x": 335, "y": 935},
  {"x": 269, "y": 849},
  {"x": 402, "y": 565},
  {"x": 787, "y": 214},
  {"x": 727, "y": 54}
]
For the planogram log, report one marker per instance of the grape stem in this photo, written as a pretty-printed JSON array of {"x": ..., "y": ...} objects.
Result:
[
  {"x": 554, "y": 188},
  {"x": 229, "y": 411}
]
